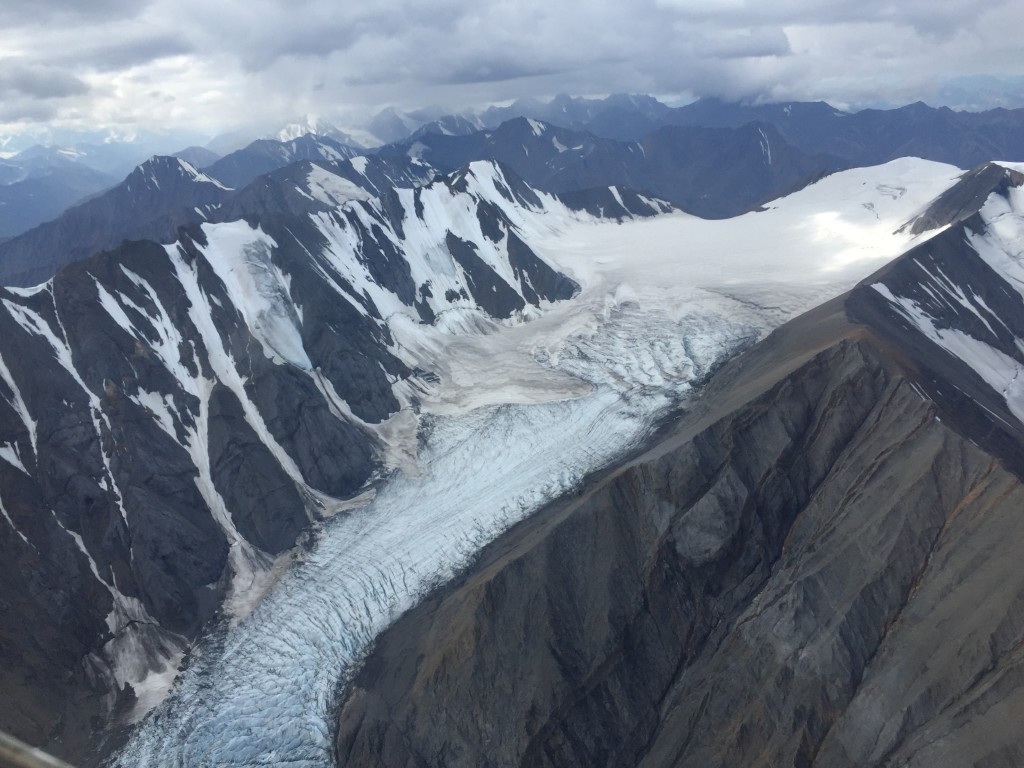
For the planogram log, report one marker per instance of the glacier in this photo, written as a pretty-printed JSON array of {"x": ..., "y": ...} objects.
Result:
[{"x": 521, "y": 414}]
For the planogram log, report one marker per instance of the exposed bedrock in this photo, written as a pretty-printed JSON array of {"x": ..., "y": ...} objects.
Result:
[{"x": 815, "y": 569}]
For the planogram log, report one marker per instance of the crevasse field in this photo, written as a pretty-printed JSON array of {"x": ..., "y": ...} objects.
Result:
[{"x": 521, "y": 415}]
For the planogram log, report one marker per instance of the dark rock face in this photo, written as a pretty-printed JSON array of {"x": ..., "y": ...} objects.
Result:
[
  {"x": 332, "y": 454},
  {"x": 818, "y": 567},
  {"x": 165, "y": 410},
  {"x": 266, "y": 508},
  {"x": 537, "y": 280},
  {"x": 487, "y": 289}
]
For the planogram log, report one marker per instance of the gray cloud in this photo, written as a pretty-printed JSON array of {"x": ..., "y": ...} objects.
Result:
[
  {"x": 37, "y": 81},
  {"x": 224, "y": 62},
  {"x": 754, "y": 43},
  {"x": 26, "y": 111},
  {"x": 132, "y": 53},
  {"x": 492, "y": 71},
  {"x": 40, "y": 12}
]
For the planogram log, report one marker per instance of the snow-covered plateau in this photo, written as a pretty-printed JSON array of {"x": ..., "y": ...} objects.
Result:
[{"x": 521, "y": 414}]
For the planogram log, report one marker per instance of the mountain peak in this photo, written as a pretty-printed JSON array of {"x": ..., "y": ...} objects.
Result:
[
  {"x": 167, "y": 168},
  {"x": 311, "y": 125},
  {"x": 965, "y": 198}
]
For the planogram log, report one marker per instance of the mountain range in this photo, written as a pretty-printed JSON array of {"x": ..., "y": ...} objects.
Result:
[
  {"x": 864, "y": 137},
  {"x": 816, "y": 130},
  {"x": 606, "y": 434},
  {"x": 711, "y": 173}
]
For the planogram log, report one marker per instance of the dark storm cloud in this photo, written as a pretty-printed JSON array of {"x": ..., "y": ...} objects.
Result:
[
  {"x": 925, "y": 15},
  {"x": 305, "y": 43},
  {"x": 260, "y": 60}
]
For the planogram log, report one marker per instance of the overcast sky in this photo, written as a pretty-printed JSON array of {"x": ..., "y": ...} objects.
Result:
[{"x": 211, "y": 65}]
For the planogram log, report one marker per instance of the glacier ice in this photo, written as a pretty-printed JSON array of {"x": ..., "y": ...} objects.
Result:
[{"x": 522, "y": 415}]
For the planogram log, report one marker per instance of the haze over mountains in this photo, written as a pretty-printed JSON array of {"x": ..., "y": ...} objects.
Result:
[
  {"x": 808, "y": 137},
  {"x": 709, "y": 158},
  {"x": 569, "y": 433}
]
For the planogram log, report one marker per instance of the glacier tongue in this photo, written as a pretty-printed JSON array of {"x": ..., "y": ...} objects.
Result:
[
  {"x": 261, "y": 694},
  {"x": 661, "y": 302}
]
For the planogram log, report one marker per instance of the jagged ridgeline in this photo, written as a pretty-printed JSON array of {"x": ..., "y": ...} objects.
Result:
[{"x": 174, "y": 416}]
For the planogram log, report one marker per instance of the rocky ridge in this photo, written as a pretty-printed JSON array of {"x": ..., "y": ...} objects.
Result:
[
  {"x": 816, "y": 567},
  {"x": 174, "y": 417}
]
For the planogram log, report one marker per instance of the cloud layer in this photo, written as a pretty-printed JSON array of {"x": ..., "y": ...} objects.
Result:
[{"x": 209, "y": 66}]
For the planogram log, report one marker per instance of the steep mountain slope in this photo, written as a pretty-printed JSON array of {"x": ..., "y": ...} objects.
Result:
[
  {"x": 711, "y": 173},
  {"x": 174, "y": 417},
  {"x": 515, "y": 415},
  {"x": 818, "y": 565},
  {"x": 152, "y": 202}
]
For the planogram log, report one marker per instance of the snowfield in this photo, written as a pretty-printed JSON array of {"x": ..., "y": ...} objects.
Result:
[{"x": 521, "y": 414}]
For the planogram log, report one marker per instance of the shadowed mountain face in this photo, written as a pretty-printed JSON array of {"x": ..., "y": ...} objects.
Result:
[
  {"x": 265, "y": 155},
  {"x": 875, "y": 136},
  {"x": 868, "y": 137},
  {"x": 36, "y": 194},
  {"x": 175, "y": 416},
  {"x": 713, "y": 173},
  {"x": 817, "y": 566},
  {"x": 152, "y": 202}
]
